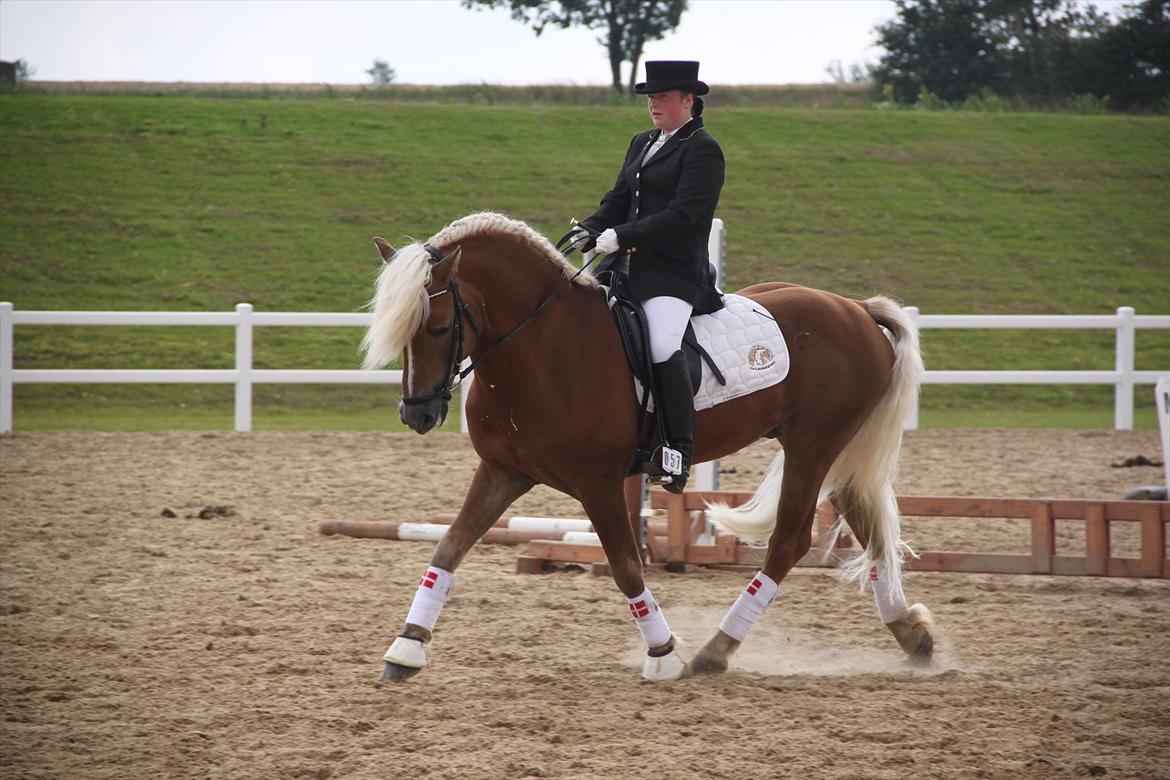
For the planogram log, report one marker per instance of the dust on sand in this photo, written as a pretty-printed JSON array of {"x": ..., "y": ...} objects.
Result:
[{"x": 245, "y": 645}]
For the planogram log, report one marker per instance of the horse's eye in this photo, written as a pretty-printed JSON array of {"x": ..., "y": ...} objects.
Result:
[{"x": 439, "y": 331}]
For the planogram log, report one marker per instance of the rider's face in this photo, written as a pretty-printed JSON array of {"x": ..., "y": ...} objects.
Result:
[{"x": 670, "y": 110}]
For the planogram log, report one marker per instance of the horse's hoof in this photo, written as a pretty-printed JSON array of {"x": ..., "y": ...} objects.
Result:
[
  {"x": 397, "y": 672},
  {"x": 707, "y": 664},
  {"x": 663, "y": 668},
  {"x": 923, "y": 652},
  {"x": 912, "y": 631}
]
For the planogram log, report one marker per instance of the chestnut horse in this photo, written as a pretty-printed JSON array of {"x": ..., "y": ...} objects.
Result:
[{"x": 553, "y": 403}]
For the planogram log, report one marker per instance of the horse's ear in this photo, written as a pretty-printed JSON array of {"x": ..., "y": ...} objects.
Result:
[
  {"x": 442, "y": 271},
  {"x": 384, "y": 247},
  {"x": 453, "y": 258}
]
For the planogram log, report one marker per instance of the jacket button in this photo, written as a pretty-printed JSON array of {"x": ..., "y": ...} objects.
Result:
[
  {"x": 637, "y": 193},
  {"x": 635, "y": 210},
  {"x": 638, "y": 175}
]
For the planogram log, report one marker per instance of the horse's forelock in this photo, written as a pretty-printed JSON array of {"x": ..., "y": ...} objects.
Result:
[{"x": 400, "y": 306}]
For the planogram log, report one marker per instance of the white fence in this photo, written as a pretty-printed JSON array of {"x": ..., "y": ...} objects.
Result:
[
  {"x": 1123, "y": 377},
  {"x": 243, "y": 376}
]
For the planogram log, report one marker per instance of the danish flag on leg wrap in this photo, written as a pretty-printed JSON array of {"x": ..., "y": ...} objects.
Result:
[
  {"x": 649, "y": 619},
  {"x": 434, "y": 589},
  {"x": 757, "y": 595}
]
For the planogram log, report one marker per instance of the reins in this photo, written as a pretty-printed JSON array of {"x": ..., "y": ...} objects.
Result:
[{"x": 454, "y": 377}]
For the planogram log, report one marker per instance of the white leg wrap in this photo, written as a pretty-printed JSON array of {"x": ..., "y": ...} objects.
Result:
[
  {"x": 755, "y": 598},
  {"x": 649, "y": 619},
  {"x": 433, "y": 591},
  {"x": 887, "y": 594}
]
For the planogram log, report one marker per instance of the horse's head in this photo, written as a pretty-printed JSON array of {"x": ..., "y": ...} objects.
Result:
[
  {"x": 420, "y": 311},
  {"x": 421, "y": 305}
]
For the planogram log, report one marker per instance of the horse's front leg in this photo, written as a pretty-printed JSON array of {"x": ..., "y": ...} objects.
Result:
[
  {"x": 606, "y": 507},
  {"x": 493, "y": 488}
]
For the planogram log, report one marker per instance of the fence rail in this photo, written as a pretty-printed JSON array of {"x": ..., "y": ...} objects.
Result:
[{"x": 1123, "y": 377}]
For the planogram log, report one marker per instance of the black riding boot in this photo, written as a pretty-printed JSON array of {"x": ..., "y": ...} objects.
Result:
[{"x": 677, "y": 407}]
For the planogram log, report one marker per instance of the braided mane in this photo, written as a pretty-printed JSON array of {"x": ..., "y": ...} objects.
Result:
[{"x": 400, "y": 304}]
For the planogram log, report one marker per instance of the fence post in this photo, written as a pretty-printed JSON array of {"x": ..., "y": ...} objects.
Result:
[
  {"x": 244, "y": 366},
  {"x": 1123, "y": 390},
  {"x": 464, "y": 390},
  {"x": 6, "y": 343},
  {"x": 717, "y": 249},
  {"x": 911, "y": 423},
  {"x": 707, "y": 474},
  {"x": 1162, "y": 401}
]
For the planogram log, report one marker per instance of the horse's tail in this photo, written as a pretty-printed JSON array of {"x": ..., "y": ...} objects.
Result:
[
  {"x": 860, "y": 481},
  {"x": 754, "y": 521}
]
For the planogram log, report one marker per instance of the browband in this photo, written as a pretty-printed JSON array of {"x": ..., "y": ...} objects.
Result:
[{"x": 436, "y": 255}]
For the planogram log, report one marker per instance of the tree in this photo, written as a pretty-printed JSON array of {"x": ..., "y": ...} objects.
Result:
[
  {"x": 626, "y": 25},
  {"x": 940, "y": 46},
  {"x": 858, "y": 72},
  {"x": 1133, "y": 59},
  {"x": 1036, "y": 50},
  {"x": 381, "y": 73},
  {"x": 24, "y": 71},
  {"x": 1040, "y": 43}
]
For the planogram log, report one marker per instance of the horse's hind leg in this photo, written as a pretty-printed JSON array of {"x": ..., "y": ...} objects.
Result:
[
  {"x": 909, "y": 625},
  {"x": 493, "y": 489},
  {"x": 606, "y": 506},
  {"x": 789, "y": 542}
]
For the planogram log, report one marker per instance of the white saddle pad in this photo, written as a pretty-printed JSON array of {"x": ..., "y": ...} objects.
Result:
[{"x": 747, "y": 346}]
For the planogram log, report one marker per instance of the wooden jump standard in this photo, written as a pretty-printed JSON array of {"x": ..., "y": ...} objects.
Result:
[{"x": 678, "y": 548}]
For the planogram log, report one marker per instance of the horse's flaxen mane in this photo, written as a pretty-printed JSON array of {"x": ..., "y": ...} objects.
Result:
[
  {"x": 400, "y": 304},
  {"x": 487, "y": 223}
]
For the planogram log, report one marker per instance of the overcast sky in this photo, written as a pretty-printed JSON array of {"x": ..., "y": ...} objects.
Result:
[{"x": 425, "y": 41}]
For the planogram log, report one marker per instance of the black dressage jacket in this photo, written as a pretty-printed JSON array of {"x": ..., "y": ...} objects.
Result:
[{"x": 662, "y": 213}]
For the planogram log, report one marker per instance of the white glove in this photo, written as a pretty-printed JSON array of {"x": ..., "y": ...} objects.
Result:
[
  {"x": 580, "y": 239},
  {"x": 607, "y": 242}
]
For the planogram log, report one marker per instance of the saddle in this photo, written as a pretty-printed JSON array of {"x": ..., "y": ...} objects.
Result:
[{"x": 613, "y": 274}]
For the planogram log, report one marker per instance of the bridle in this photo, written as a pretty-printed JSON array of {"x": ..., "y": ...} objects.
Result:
[
  {"x": 455, "y": 345},
  {"x": 453, "y": 378}
]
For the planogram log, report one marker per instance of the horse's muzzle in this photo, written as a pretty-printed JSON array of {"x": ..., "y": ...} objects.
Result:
[{"x": 421, "y": 418}]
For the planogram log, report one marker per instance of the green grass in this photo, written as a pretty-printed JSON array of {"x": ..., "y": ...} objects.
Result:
[
  {"x": 856, "y": 95},
  {"x": 190, "y": 203}
]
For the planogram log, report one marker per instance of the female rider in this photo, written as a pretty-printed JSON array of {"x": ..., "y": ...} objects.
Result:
[{"x": 658, "y": 215}]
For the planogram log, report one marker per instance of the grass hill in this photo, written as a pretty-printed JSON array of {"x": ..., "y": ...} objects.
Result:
[{"x": 197, "y": 203}]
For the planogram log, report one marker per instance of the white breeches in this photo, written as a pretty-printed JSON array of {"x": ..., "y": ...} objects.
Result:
[{"x": 666, "y": 319}]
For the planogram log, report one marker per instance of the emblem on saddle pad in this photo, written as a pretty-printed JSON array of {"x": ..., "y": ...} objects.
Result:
[{"x": 760, "y": 357}]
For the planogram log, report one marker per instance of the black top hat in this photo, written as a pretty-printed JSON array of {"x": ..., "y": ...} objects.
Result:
[{"x": 665, "y": 75}]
